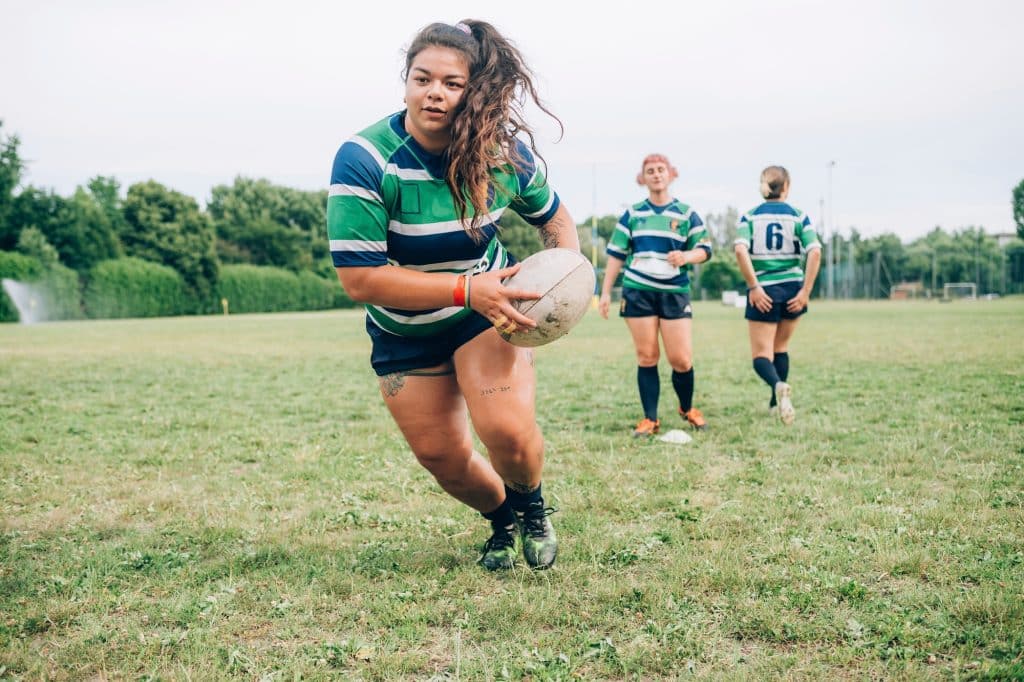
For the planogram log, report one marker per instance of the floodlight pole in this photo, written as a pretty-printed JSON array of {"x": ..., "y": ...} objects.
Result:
[
  {"x": 824, "y": 240},
  {"x": 831, "y": 251},
  {"x": 593, "y": 216}
]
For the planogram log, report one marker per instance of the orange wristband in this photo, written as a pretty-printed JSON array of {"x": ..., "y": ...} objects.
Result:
[{"x": 459, "y": 292}]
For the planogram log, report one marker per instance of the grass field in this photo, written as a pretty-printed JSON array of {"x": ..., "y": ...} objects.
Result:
[{"x": 226, "y": 497}]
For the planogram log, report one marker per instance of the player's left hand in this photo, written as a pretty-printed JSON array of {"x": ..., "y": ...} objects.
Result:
[
  {"x": 676, "y": 258},
  {"x": 798, "y": 302}
]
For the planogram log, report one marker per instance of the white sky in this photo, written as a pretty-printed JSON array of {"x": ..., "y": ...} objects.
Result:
[{"x": 921, "y": 104}]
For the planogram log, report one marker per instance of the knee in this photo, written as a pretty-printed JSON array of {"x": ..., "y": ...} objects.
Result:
[
  {"x": 444, "y": 463},
  {"x": 514, "y": 446},
  {"x": 646, "y": 358},
  {"x": 681, "y": 363}
]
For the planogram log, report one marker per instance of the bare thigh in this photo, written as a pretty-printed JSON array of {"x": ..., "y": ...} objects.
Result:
[
  {"x": 645, "y": 339},
  {"x": 762, "y": 338},
  {"x": 783, "y": 334},
  {"x": 430, "y": 411},
  {"x": 678, "y": 338}
]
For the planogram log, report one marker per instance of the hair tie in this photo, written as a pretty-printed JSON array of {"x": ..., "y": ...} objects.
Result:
[{"x": 464, "y": 28}]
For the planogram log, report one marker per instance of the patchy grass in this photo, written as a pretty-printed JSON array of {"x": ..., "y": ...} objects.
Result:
[{"x": 204, "y": 498}]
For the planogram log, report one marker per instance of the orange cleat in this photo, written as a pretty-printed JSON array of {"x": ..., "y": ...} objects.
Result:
[
  {"x": 646, "y": 427},
  {"x": 695, "y": 418}
]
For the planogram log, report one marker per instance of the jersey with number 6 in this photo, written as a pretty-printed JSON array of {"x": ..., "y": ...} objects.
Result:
[{"x": 776, "y": 234}]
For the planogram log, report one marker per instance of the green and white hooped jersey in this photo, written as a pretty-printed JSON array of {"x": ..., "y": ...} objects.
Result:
[
  {"x": 643, "y": 237},
  {"x": 389, "y": 204},
  {"x": 776, "y": 234}
]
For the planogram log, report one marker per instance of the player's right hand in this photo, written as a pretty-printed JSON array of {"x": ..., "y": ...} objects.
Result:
[{"x": 603, "y": 304}]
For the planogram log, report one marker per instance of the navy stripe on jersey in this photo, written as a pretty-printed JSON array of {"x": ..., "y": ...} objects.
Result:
[{"x": 452, "y": 246}]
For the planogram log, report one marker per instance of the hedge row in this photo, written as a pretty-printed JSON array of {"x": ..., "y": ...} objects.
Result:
[
  {"x": 51, "y": 292},
  {"x": 258, "y": 289},
  {"x": 131, "y": 287}
]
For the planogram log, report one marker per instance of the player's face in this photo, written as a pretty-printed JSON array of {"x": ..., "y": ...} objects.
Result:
[
  {"x": 656, "y": 176},
  {"x": 435, "y": 84}
]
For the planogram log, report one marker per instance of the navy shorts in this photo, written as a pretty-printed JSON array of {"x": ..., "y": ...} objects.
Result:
[
  {"x": 780, "y": 294},
  {"x": 392, "y": 353},
  {"x": 663, "y": 304}
]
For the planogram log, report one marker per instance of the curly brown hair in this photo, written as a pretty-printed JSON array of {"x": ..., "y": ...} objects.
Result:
[{"x": 490, "y": 113}]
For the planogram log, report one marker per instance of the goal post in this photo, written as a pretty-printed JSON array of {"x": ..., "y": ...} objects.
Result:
[{"x": 959, "y": 290}]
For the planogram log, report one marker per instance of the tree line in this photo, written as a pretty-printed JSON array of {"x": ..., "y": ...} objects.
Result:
[{"x": 254, "y": 222}]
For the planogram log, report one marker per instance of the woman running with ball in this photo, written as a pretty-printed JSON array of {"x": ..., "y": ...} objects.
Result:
[
  {"x": 412, "y": 217},
  {"x": 769, "y": 241}
]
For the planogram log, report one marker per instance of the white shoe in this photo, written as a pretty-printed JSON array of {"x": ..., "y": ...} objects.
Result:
[{"x": 784, "y": 394}]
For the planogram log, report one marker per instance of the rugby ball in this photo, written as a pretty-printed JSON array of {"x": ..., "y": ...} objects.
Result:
[{"x": 565, "y": 279}]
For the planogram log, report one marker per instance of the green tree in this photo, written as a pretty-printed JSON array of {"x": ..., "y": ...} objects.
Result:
[
  {"x": 82, "y": 232},
  {"x": 720, "y": 274},
  {"x": 167, "y": 227},
  {"x": 35, "y": 207},
  {"x": 1015, "y": 267},
  {"x": 259, "y": 223},
  {"x": 32, "y": 242},
  {"x": 884, "y": 262},
  {"x": 11, "y": 167},
  {"x": 518, "y": 236},
  {"x": 1018, "y": 208},
  {"x": 722, "y": 227},
  {"x": 106, "y": 191}
]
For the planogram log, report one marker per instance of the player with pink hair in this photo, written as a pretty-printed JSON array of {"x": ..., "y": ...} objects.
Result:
[{"x": 653, "y": 246}]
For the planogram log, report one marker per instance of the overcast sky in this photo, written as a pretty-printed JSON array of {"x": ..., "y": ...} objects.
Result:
[{"x": 920, "y": 104}]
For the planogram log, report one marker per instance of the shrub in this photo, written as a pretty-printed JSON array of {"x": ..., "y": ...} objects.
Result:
[
  {"x": 132, "y": 287},
  {"x": 266, "y": 289}
]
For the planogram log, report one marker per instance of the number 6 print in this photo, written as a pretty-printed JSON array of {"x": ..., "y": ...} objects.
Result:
[{"x": 773, "y": 237}]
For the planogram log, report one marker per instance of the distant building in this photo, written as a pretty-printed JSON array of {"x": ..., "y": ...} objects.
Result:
[{"x": 1004, "y": 238}]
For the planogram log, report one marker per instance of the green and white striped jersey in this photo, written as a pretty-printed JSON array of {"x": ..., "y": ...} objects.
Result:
[
  {"x": 389, "y": 204},
  {"x": 776, "y": 234}
]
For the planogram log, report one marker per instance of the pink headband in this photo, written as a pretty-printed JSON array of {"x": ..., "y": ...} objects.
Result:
[{"x": 464, "y": 28}]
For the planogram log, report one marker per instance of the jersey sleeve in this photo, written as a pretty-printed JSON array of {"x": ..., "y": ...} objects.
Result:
[
  {"x": 357, "y": 218},
  {"x": 698, "y": 236},
  {"x": 536, "y": 201},
  {"x": 619, "y": 244},
  {"x": 808, "y": 235},
  {"x": 744, "y": 232}
]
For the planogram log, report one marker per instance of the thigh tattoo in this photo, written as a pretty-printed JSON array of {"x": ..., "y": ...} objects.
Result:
[{"x": 391, "y": 384}]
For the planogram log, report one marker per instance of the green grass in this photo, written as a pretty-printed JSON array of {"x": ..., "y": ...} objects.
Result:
[{"x": 209, "y": 498}]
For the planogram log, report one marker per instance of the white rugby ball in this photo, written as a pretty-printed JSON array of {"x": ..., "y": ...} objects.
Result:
[{"x": 565, "y": 279}]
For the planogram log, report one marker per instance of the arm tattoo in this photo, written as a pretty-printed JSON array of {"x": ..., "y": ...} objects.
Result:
[{"x": 391, "y": 384}]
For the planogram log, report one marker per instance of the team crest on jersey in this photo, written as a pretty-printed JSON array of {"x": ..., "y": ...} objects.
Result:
[{"x": 674, "y": 225}]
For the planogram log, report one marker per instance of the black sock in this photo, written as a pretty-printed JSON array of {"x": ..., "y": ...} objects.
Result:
[
  {"x": 502, "y": 517},
  {"x": 766, "y": 370},
  {"x": 781, "y": 362},
  {"x": 650, "y": 386},
  {"x": 683, "y": 383},
  {"x": 520, "y": 501}
]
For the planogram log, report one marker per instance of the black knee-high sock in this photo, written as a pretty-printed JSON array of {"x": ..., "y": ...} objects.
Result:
[
  {"x": 502, "y": 517},
  {"x": 650, "y": 387},
  {"x": 781, "y": 362},
  {"x": 520, "y": 500},
  {"x": 683, "y": 383},
  {"x": 766, "y": 370}
]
